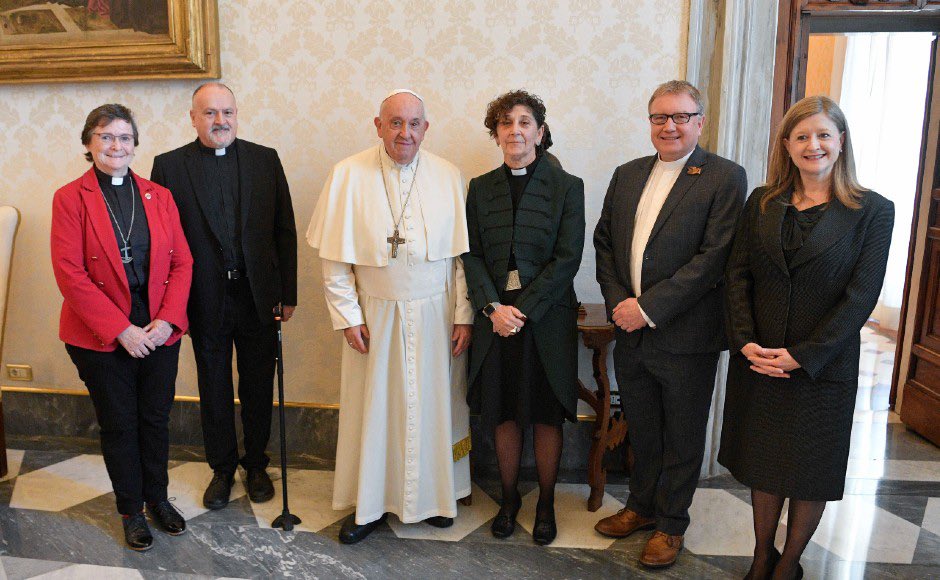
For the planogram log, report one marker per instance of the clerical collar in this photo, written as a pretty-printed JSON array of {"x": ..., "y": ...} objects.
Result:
[
  {"x": 220, "y": 152},
  {"x": 522, "y": 171},
  {"x": 108, "y": 178},
  {"x": 674, "y": 165}
]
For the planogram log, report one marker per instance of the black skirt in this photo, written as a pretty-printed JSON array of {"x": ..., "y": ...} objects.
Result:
[
  {"x": 788, "y": 437},
  {"x": 512, "y": 384}
]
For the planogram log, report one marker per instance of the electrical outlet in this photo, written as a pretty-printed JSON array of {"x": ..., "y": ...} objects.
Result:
[{"x": 20, "y": 372}]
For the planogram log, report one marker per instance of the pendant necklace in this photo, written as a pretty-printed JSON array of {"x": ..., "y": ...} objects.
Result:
[
  {"x": 126, "y": 257},
  {"x": 396, "y": 240}
]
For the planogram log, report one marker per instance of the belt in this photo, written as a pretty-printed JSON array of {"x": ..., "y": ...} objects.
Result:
[{"x": 234, "y": 274}]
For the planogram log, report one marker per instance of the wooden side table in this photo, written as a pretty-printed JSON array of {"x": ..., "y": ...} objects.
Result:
[{"x": 596, "y": 333}]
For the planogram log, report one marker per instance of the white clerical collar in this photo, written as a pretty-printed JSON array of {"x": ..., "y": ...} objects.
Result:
[
  {"x": 117, "y": 180},
  {"x": 220, "y": 152},
  {"x": 674, "y": 165},
  {"x": 517, "y": 172}
]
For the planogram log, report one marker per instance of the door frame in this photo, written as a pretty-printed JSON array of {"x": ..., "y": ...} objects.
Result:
[{"x": 796, "y": 20}]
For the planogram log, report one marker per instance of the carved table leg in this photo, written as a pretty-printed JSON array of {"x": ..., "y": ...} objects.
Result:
[{"x": 597, "y": 475}]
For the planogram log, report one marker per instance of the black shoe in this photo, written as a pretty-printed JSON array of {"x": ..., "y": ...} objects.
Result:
[
  {"x": 351, "y": 532},
  {"x": 439, "y": 522},
  {"x": 505, "y": 523},
  {"x": 260, "y": 488},
  {"x": 167, "y": 518},
  {"x": 137, "y": 532},
  {"x": 216, "y": 496},
  {"x": 545, "y": 530}
]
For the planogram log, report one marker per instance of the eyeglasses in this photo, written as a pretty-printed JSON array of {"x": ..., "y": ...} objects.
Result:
[
  {"x": 108, "y": 138},
  {"x": 677, "y": 118}
]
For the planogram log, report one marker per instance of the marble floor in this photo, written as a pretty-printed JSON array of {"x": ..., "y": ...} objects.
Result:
[{"x": 57, "y": 520}]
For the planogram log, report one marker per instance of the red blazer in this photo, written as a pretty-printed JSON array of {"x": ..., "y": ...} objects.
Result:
[{"x": 89, "y": 271}]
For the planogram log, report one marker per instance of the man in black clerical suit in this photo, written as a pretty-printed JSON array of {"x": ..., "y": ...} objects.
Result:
[
  {"x": 662, "y": 241},
  {"x": 236, "y": 212}
]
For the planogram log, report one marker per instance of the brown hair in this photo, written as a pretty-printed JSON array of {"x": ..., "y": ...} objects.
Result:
[
  {"x": 505, "y": 103},
  {"x": 678, "y": 88},
  {"x": 783, "y": 176},
  {"x": 104, "y": 115}
]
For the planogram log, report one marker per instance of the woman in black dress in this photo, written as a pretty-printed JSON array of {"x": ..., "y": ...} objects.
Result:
[
  {"x": 526, "y": 224},
  {"x": 805, "y": 273}
]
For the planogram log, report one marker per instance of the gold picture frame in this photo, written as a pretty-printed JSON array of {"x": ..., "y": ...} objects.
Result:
[{"x": 97, "y": 40}]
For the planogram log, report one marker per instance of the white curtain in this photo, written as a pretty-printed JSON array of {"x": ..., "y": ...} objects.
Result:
[{"x": 884, "y": 89}]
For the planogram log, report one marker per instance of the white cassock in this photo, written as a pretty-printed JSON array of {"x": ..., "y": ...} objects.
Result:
[{"x": 404, "y": 431}]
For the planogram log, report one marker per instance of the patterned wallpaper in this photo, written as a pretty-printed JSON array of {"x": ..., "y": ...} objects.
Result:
[{"x": 308, "y": 77}]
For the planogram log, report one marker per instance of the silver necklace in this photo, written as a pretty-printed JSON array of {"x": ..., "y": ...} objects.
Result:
[
  {"x": 126, "y": 257},
  {"x": 395, "y": 240}
]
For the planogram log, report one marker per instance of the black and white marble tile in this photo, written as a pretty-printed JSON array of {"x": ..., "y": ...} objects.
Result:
[{"x": 57, "y": 520}]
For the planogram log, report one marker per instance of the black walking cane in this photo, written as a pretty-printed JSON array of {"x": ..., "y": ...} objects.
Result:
[{"x": 286, "y": 520}]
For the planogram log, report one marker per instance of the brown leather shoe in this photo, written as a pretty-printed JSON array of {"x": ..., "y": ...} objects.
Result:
[
  {"x": 623, "y": 523},
  {"x": 661, "y": 550}
]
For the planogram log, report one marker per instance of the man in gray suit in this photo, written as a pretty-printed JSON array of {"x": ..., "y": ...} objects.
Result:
[{"x": 663, "y": 238}]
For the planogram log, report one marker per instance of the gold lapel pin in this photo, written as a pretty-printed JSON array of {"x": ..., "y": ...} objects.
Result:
[{"x": 693, "y": 170}]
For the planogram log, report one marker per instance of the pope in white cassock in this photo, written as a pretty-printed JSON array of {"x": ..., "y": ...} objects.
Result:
[{"x": 390, "y": 226}]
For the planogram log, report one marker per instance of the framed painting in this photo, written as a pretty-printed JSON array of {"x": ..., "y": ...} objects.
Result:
[{"x": 96, "y": 40}]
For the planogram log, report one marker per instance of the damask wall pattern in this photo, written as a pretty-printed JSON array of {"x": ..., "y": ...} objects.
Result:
[{"x": 308, "y": 77}]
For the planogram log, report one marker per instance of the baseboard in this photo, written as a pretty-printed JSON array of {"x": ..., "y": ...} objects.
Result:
[{"x": 311, "y": 429}]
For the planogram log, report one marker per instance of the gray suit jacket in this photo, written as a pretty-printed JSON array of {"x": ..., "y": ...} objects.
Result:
[{"x": 685, "y": 257}]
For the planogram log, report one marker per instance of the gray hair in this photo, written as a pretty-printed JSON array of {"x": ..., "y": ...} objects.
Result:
[
  {"x": 212, "y": 84},
  {"x": 676, "y": 87}
]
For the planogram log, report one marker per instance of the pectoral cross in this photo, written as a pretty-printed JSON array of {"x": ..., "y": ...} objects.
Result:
[
  {"x": 395, "y": 240},
  {"x": 126, "y": 254}
]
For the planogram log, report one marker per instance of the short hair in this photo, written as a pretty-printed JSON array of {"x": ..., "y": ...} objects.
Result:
[
  {"x": 783, "y": 177},
  {"x": 104, "y": 115},
  {"x": 505, "y": 103},
  {"x": 212, "y": 84},
  {"x": 676, "y": 87}
]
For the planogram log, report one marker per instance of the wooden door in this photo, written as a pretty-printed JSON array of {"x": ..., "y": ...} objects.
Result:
[{"x": 920, "y": 409}]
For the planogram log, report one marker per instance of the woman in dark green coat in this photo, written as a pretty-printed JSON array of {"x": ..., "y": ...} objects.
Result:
[{"x": 526, "y": 223}]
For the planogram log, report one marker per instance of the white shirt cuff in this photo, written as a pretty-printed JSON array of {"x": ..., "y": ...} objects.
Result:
[{"x": 645, "y": 317}]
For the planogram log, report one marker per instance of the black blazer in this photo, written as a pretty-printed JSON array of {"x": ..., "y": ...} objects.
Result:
[
  {"x": 816, "y": 306},
  {"x": 685, "y": 255},
  {"x": 269, "y": 236},
  {"x": 547, "y": 240}
]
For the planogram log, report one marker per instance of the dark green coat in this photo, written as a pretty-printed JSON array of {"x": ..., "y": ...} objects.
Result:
[{"x": 547, "y": 240}]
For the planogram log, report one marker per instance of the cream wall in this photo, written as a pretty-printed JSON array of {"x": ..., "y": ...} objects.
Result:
[{"x": 308, "y": 77}]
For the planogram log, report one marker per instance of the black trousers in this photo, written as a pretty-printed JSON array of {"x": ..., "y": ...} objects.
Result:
[
  {"x": 665, "y": 398},
  {"x": 255, "y": 346},
  {"x": 132, "y": 399}
]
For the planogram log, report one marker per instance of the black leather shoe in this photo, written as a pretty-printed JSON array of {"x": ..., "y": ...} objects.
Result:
[
  {"x": 768, "y": 572},
  {"x": 544, "y": 531},
  {"x": 167, "y": 518},
  {"x": 505, "y": 523},
  {"x": 137, "y": 532},
  {"x": 216, "y": 496},
  {"x": 351, "y": 532},
  {"x": 439, "y": 522},
  {"x": 260, "y": 488}
]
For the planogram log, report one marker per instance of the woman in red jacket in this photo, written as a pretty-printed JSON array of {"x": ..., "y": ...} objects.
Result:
[{"x": 124, "y": 268}]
